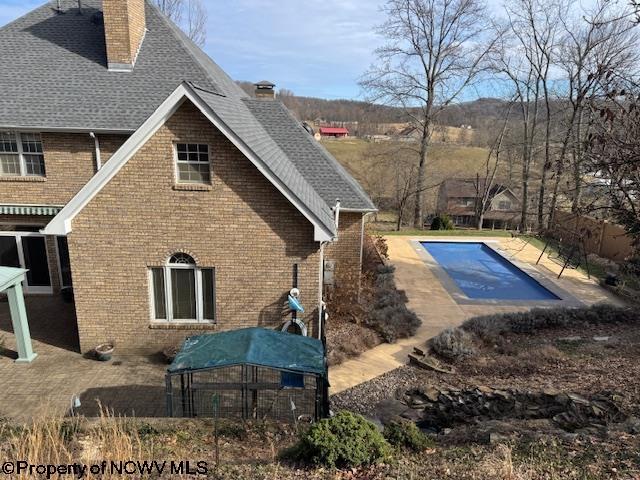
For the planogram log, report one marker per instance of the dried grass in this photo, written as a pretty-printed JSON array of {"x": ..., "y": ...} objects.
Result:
[{"x": 53, "y": 440}]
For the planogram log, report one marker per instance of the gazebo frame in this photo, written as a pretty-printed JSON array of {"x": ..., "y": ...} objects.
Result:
[{"x": 11, "y": 283}]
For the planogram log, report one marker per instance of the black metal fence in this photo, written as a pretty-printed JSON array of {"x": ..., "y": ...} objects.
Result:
[{"x": 246, "y": 392}]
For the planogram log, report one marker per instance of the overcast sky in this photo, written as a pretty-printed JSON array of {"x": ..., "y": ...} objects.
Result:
[{"x": 313, "y": 47}]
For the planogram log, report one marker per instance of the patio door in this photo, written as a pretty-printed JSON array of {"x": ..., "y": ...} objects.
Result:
[{"x": 27, "y": 250}]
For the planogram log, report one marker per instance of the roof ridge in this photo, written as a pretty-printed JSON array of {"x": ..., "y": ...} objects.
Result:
[{"x": 189, "y": 46}]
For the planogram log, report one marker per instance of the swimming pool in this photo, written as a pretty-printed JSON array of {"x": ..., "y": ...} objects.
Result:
[{"x": 482, "y": 273}]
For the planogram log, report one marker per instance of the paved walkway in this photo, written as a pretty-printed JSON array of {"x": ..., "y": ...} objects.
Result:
[
  {"x": 438, "y": 310},
  {"x": 127, "y": 385}
]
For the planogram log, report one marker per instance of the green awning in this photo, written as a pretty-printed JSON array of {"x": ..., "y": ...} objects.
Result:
[
  {"x": 253, "y": 346},
  {"x": 29, "y": 209}
]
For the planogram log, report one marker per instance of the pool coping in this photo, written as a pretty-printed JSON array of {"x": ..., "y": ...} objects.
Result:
[{"x": 566, "y": 299}]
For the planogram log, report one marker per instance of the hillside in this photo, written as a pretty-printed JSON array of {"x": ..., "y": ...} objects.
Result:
[
  {"x": 475, "y": 113},
  {"x": 375, "y": 165}
]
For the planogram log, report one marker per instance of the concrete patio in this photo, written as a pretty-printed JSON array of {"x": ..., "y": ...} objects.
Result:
[
  {"x": 128, "y": 384},
  {"x": 438, "y": 310}
]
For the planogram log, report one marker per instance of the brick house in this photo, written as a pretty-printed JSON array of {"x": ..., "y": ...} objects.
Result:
[
  {"x": 458, "y": 197},
  {"x": 134, "y": 169}
]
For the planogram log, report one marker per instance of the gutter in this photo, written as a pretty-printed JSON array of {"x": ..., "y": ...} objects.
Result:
[
  {"x": 49, "y": 129},
  {"x": 362, "y": 210}
]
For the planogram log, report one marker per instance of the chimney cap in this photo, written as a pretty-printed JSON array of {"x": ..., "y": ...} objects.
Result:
[{"x": 264, "y": 84}]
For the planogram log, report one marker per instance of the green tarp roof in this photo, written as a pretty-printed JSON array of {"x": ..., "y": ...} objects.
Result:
[{"x": 255, "y": 346}]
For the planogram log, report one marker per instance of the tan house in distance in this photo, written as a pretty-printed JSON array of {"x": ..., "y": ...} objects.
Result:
[
  {"x": 458, "y": 198},
  {"x": 135, "y": 171}
]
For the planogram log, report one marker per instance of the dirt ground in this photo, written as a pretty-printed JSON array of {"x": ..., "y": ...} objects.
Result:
[{"x": 550, "y": 359}]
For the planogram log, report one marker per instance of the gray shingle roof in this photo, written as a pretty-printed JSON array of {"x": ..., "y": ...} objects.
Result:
[
  {"x": 53, "y": 71},
  {"x": 53, "y": 76},
  {"x": 312, "y": 160}
]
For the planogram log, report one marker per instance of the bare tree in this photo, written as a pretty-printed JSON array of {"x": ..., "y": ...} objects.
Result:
[
  {"x": 595, "y": 42},
  {"x": 485, "y": 186},
  {"x": 435, "y": 49},
  {"x": 189, "y": 15},
  {"x": 613, "y": 151},
  {"x": 390, "y": 173},
  {"x": 525, "y": 59}
]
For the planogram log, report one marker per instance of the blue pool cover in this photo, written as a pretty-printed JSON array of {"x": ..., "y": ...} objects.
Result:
[{"x": 482, "y": 273}]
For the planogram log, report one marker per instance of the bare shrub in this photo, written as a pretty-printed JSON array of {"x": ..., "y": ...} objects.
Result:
[
  {"x": 531, "y": 361},
  {"x": 388, "y": 313},
  {"x": 393, "y": 322},
  {"x": 487, "y": 327},
  {"x": 453, "y": 344}
]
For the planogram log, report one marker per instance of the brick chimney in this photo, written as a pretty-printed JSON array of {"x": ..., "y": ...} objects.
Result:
[
  {"x": 265, "y": 90},
  {"x": 124, "y": 28}
]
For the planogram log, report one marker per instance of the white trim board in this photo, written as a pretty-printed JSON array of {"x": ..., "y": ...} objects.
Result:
[{"x": 61, "y": 223}]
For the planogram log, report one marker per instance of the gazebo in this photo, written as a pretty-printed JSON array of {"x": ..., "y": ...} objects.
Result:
[{"x": 11, "y": 282}]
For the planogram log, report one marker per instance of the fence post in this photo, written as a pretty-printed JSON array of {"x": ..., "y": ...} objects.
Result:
[{"x": 603, "y": 225}]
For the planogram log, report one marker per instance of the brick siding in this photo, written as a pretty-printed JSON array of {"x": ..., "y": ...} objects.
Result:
[
  {"x": 347, "y": 250},
  {"x": 69, "y": 160},
  {"x": 242, "y": 225},
  {"x": 124, "y": 26}
]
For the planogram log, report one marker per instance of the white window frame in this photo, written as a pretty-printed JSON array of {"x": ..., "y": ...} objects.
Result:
[
  {"x": 168, "y": 297},
  {"x": 177, "y": 161},
  {"x": 18, "y": 235},
  {"x": 21, "y": 159}
]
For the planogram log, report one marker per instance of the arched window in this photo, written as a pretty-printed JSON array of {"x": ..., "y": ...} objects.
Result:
[
  {"x": 181, "y": 258},
  {"x": 182, "y": 291}
]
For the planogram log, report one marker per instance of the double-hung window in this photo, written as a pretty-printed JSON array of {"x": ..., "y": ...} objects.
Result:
[
  {"x": 182, "y": 291},
  {"x": 193, "y": 163},
  {"x": 21, "y": 155}
]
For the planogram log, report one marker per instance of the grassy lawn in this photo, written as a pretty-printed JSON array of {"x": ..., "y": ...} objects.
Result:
[
  {"x": 365, "y": 161},
  {"x": 448, "y": 233}
]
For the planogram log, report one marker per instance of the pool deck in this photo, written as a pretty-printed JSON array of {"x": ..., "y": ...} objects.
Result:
[{"x": 437, "y": 308}]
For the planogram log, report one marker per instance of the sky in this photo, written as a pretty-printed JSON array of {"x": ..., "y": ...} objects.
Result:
[{"x": 315, "y": 48}]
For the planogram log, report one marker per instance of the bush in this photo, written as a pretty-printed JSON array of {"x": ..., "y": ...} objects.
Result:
[
  {"x": 441, "y": 222},
  {"x": 489, "y": 328},
  {"x": 388, "y": 314},
  {"x": 407, "y": 435},
  {"x": 453, "y": 344},
  {"x": 343, "y": 441},
  {"x": 393, "y": 322},
  {"x": 544, "y": 318}
]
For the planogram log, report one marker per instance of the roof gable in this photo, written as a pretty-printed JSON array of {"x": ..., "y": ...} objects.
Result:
[{"x": 286, "y": 179}]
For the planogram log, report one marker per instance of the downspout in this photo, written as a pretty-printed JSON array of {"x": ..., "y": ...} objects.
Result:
[
  {"x": 320, "y": 290},
  {"x": 336, "y": 213},
  {"x": 364, "y": 216},
  {"x": 97, "y": 146}
]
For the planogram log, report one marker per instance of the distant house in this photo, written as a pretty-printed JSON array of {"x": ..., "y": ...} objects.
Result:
[
  {"x": 410, "y": 134},
  {"x": 335, "y": 132},
  {"x": 458, "y": 199}
]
